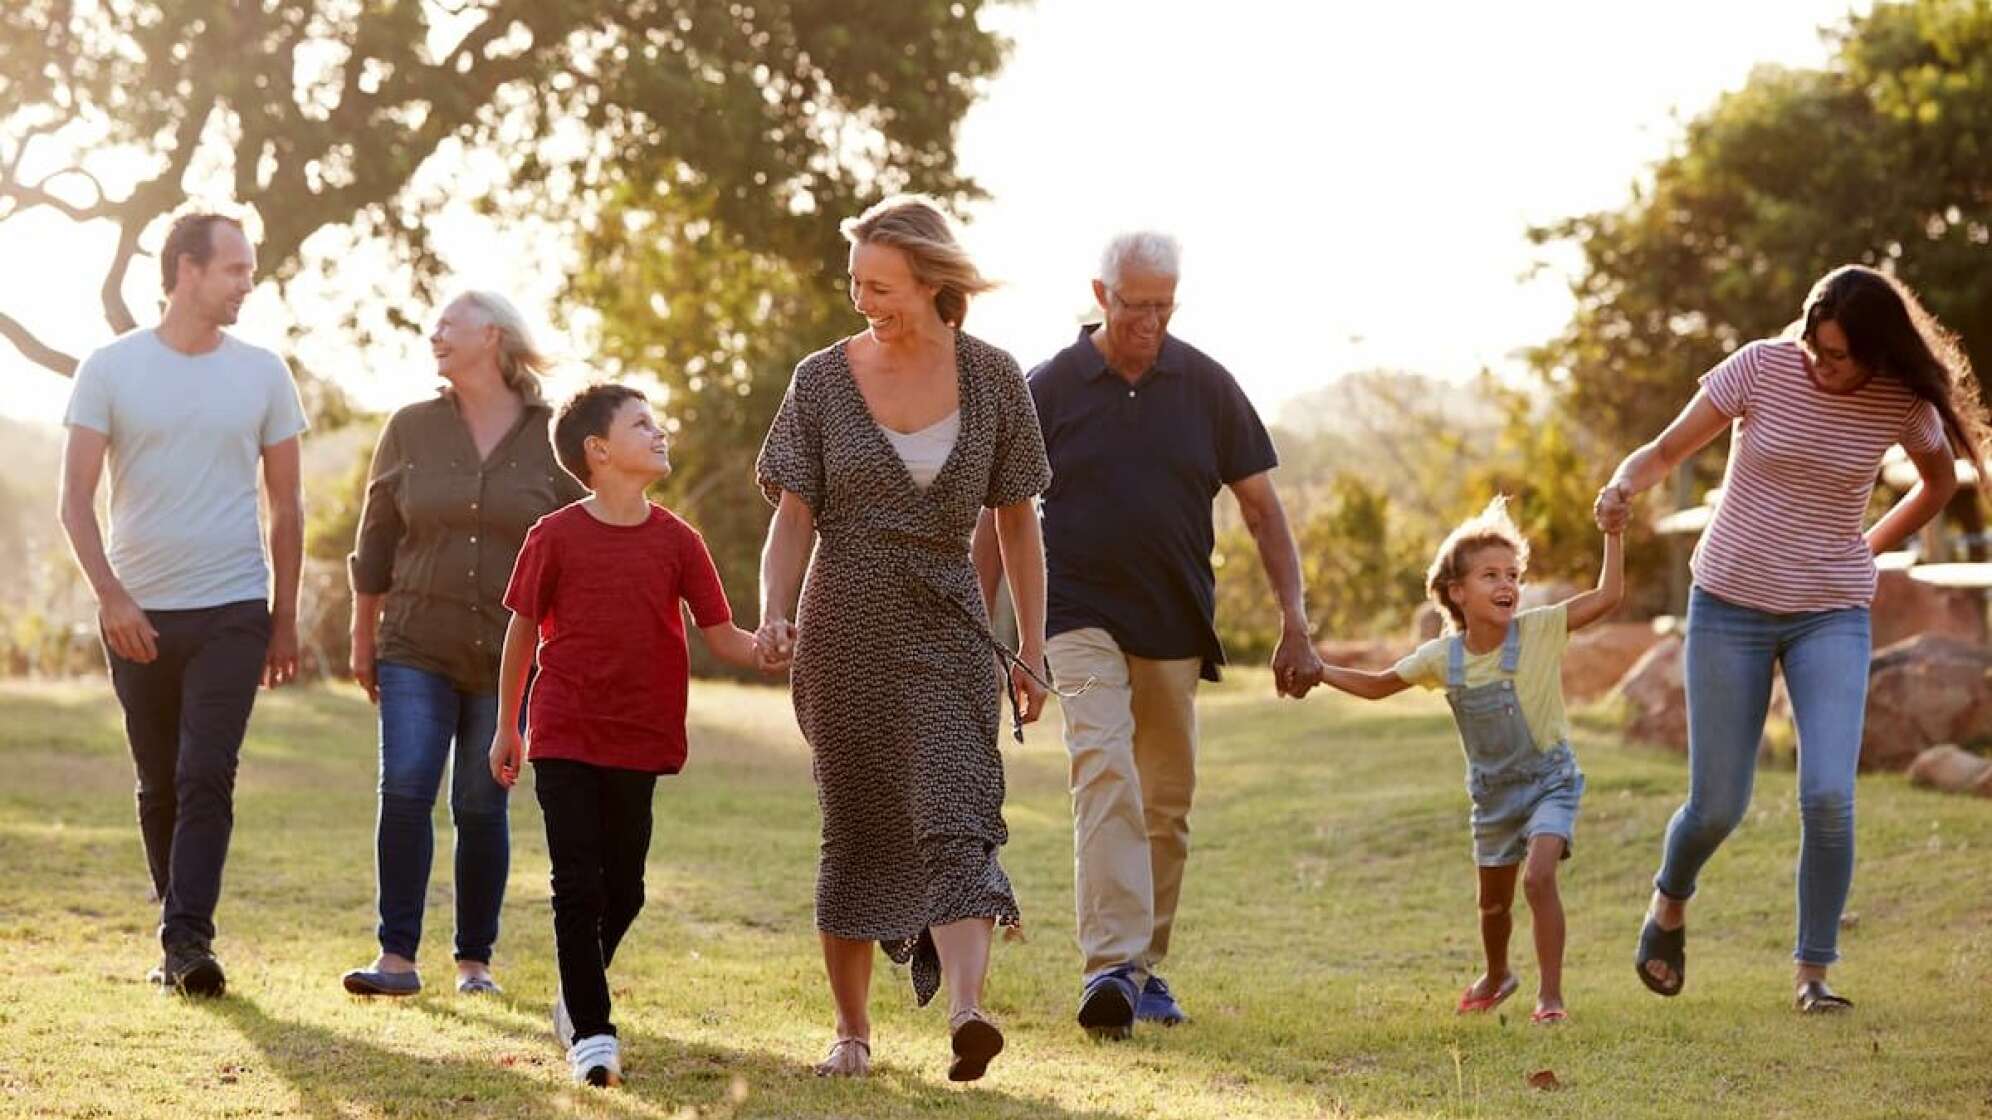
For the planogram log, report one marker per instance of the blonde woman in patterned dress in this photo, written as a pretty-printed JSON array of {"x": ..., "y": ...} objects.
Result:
[{"x": 887, "y": 446}]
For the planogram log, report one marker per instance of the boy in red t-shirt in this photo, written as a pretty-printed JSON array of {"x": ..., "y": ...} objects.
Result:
[{"x": 596, "y": 594}]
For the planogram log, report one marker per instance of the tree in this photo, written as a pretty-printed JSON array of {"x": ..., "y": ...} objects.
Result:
[
  {"x": 322, "y": 114},
  {"x": 1884, "y": 157}
]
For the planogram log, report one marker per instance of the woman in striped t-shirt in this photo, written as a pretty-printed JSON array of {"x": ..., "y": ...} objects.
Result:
[{"x": 1784, "y": 575}]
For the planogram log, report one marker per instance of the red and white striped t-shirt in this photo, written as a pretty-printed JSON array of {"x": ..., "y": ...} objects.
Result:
[{"x": 1786, "y": 536}]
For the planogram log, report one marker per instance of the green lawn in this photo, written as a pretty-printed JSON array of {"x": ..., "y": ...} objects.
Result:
[{"x": 1326, "y": 929}]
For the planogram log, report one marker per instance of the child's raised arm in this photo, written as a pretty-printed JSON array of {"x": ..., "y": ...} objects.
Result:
[
  {"x": 1582, "y": 610},
  {"x": 1357, "y": 682},
  {"x": 521, "y": 637},
  {"x": 731, "y": 644}
]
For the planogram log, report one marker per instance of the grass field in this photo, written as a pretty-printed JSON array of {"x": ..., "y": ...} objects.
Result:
[{"x": 1326, "y": 929}]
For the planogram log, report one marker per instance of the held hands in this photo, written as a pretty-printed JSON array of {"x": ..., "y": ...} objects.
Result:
[
  {"x": 1612, "y": 510},
  {"x": 506, "y": 751},
  {"x": 1296, "y": 665},
  {"x": 774, "y": 645}
]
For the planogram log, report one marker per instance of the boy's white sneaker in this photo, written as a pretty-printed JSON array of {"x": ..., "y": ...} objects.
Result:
[
  {"x": 596, "y": 1060},
  {"x": 563, "y": 1024}
]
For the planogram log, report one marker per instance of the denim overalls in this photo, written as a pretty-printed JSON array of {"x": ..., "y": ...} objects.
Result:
[{"x": 1518, "y": 792}]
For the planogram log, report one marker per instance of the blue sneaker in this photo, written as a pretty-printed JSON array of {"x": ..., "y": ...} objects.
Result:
[
  {"x": 1106, "y": 1008},
  {"x": 1158, "y": 1005}
]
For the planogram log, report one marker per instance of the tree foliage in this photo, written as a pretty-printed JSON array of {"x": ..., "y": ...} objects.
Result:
[
  {"x": 322, "y": 113},
  {"x": 1883, "y": 157}
]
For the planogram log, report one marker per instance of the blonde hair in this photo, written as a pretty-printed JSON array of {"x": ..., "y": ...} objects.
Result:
[
  {"x": 915, "y": 225},
  {"x": 1491, "y": 526},
  {"x": 520, "y": 362}
]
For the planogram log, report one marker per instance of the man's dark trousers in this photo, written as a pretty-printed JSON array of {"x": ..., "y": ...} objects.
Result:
[{"x": 185, "y": 715}]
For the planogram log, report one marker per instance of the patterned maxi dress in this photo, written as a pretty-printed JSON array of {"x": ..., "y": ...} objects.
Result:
[{"x": 897, "y": 695}]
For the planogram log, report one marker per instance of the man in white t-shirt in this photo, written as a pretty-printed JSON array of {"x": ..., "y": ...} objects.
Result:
[{"x": 187, "y": 415}]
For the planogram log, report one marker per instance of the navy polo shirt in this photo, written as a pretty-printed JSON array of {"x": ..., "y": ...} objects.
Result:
[{"x": 1134, "y": 469}]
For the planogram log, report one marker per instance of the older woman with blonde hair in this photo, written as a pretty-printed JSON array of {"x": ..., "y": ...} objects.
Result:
[
  {"x": 456, "y": 482},
  {"x": 886, "y": 447}
]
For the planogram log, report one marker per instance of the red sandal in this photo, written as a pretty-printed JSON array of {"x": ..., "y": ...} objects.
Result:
[{"x": 1470, "y": 1004}]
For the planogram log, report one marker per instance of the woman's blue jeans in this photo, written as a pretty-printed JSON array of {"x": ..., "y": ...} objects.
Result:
[
  {"x": 426, "y": 723},
  {"x": 1730, "y": 653}
]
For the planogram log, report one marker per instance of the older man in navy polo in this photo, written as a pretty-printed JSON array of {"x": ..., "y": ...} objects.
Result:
[{"x": 1143, "y": 430}]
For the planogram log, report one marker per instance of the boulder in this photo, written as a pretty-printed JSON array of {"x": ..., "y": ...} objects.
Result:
[
  {"x": 1922, "y": 692},
  {"x": 1952, "y": 770},
  {"x": 1599, "y": 655},
  {"x": 1656, "y": 696},
  {"x": 1904, "y": 608},
  {"x": 1372, "y": 656}
]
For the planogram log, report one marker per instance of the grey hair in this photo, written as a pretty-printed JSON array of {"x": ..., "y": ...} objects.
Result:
[
  {"x": 1147, "y": 250},
  {"x": 520, "y": 361}
]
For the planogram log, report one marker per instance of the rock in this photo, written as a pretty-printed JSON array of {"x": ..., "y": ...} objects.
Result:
[
  {"x": 1905, "y": 608},
  {"x": 1657, "y": 697},
  {"x": 1952, "y": 770},
  {"x": 1922, "y": 692},
  {"x": 1373, "y": 656},
  {"x": 1427, "y": 622},
  {"x": 1599, "y": 655}
]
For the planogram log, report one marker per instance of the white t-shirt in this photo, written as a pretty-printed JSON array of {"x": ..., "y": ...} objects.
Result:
[{"x": 186, "y": 440}]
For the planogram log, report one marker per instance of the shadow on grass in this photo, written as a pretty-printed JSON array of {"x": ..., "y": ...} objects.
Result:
[
  {"x": 331, "y": 1071},
  {"x": 717, "y": 1081}
]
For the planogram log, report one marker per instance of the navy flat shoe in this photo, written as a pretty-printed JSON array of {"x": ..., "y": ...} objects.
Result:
[{"x": 371, "y": 982}]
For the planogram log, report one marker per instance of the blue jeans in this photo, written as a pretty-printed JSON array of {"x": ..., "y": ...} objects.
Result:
[
  {"x": 1730, "y": 652},
  {"x": 426, "y": 722}
]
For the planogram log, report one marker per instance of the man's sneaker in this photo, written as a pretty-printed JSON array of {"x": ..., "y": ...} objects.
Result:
[
  {"x": 563, "y": 1024},
  {"x": 1157, "y": 1005},
  {"x": 596, "y": 1060},
  {"x": 1106, "y": 1008},
  {"x": 192, "y": 970}
]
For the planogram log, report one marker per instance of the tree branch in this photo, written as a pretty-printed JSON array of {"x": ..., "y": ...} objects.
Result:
[{"x": 34, "y": 349}]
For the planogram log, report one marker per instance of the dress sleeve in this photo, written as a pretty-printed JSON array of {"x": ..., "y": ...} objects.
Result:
[
  {"x": 1729, "y": 384},
  {"x": 791, "y": 457},
  {"x": 370, "y": 566},
  {"x": 1020, "y": 469}
]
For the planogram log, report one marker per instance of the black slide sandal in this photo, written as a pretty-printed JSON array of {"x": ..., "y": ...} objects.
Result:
[
  {"x": 1815, "y": 998},
  {"x": 1669, "y": 947}
]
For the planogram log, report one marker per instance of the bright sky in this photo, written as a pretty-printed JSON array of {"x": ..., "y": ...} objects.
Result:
[{"x": 1351, "y": 182}]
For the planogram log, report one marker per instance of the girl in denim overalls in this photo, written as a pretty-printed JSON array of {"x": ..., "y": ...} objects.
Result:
[{"x": 1502, "y": 674}]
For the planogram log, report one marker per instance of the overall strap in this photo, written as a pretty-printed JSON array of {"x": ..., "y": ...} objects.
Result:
[
  {"x": 1456, "y": 661},
  {"x": 1511, "y": 648}
]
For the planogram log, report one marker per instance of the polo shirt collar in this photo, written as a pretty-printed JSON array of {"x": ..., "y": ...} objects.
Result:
[{"x": 1169, "y": 359}]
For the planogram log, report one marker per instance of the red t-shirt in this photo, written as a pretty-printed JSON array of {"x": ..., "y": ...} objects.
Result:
[{"x": 613, "y": 668}]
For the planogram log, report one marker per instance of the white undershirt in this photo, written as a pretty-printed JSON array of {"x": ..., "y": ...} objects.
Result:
[{"x": 926, "y": 451}]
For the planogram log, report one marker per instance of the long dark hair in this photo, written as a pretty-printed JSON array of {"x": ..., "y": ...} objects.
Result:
[{"x": 1891, "y": 335}]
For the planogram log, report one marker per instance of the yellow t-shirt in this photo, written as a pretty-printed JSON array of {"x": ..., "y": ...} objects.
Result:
[{"x": 1538, "y": 674}]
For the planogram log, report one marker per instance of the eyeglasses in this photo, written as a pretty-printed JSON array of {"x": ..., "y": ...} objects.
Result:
[{"x": 1160, "y": 309}]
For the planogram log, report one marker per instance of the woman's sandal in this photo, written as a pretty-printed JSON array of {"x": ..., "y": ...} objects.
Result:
[
  {"x": 1470, "y": 1004},
  {"x": 1667, "y": 946},
  {"x": 1815, "y": 998},
  {"x": 976, "y": 1040},
  {"x": 1548, "y": 1018},
  {"x": 833, "y": 1064}
]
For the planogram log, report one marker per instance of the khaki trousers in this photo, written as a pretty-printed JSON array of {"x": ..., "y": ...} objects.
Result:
[{"x": 1133, "y": 744}]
